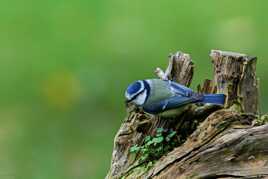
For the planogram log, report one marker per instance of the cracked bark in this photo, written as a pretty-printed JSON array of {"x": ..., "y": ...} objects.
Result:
[{"x": 217, "y": 143}]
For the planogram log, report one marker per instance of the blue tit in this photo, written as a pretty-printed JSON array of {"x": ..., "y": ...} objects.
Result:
[{"x": 165, "y": 97}]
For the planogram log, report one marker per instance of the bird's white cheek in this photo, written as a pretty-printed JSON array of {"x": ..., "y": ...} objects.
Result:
[{"x": 140, "y": 100}]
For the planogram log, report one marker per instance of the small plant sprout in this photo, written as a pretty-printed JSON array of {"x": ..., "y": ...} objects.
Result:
[{"x": 153, "y": 147}]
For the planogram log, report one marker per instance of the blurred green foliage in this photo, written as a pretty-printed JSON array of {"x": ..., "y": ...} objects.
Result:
[{"x": 65, "y": 65}]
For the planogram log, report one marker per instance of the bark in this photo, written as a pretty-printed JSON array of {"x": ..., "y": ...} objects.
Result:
[
  {"x": 235, "y": 76},
  {"x": 180, "y": 69},
  {"x": 213, "y": 142}
]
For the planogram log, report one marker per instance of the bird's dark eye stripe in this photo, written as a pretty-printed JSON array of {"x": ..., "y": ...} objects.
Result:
[{"x": 147, "y": 87}]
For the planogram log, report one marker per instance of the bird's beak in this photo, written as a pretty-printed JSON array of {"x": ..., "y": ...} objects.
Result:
[{"x": 127, "y": 103}]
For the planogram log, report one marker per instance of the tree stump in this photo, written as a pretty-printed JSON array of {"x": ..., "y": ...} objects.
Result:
[{"x": 209, "y": 141}]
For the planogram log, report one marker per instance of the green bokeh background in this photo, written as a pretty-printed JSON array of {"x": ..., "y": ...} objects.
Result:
[{"x": 65, "y": 65}]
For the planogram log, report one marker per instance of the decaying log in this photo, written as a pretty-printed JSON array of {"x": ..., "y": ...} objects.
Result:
[
  {"x": 235, "y": 76},
  {"x": 217, "y": 148},
  {"x": 214, "y": 142}
]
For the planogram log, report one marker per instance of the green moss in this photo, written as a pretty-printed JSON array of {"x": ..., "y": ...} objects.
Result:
[
  {"x": 139, "y": 170},
  {"x": 236, "y": 106},
  {"x": 261, "y": 120}
]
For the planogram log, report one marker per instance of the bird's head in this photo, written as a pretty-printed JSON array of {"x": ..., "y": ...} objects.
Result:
[{"x": 137, "y": 92}]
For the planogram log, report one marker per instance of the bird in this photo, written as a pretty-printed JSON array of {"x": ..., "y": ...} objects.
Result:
[{"x": 165, "y": 97}]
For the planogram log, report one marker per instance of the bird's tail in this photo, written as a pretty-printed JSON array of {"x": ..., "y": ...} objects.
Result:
[{"x": 214, "y": 99}]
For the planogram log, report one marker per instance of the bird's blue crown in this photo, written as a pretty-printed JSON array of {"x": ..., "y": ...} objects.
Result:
[{"x": 134, "y": 88}]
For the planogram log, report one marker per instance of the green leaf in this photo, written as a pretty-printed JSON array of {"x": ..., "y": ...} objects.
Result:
[
  {"x": 158, "y": 140},
  {"x": 149, "y": 143},
  {"x": 144, "y": 150},
  {"x": 159, "y": 130},
  {"x": 154, "y": 147},
  {"x": 147, "y": 138},
  {"x": 134, "y": 149},
  {"x": 158, "y": 134},
  {"x": 173, "y": 133},
  {"x": 144, "y": 157}
]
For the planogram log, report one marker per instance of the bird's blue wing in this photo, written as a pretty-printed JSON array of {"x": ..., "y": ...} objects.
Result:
[
  {"x": 180, "y": 89},
  {"x": 169, "y": 103}
]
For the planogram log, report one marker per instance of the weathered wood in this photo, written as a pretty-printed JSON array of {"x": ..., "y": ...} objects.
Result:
[
  {"x": 239, "y": 153},
  {"x": 180, "y": 69},
  {"x": 235, "y": 76},
  {"x": 207, "y": 87},
  {"x": 218, "y": 143},
  {"x": 124, "y": 139},
  {"x": 216, "y": 133}
]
